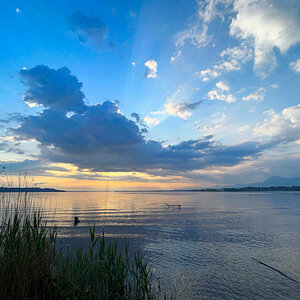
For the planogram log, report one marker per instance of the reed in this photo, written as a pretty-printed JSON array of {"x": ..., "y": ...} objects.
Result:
[{"x": 32, "y": 266}]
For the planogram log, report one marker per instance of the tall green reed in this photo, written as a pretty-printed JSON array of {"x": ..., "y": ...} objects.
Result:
[{"x": 32, "y": 266}]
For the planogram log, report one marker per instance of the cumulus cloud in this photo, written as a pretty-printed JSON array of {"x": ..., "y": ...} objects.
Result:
[
  {"x": 281, "y": 127},
  {"x": 266, "y": 24},
  {"x": 55, "y": 89},
  {"x": 295, "y": 66},
  {"x": 222, "y": 86},
  {"x": 221, "y": 93},
  {"x": 90, "y": 29},
  {"x": 182, "y": 110},
  {"x": 151, "y": 69},
  {"x": 151, "y": 121},
  {"x": 256, "y": 96},
  {"x": 101, "y": 138}
]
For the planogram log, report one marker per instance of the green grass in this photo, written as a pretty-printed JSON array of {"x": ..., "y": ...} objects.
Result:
[{"x": 32, "y": 266}]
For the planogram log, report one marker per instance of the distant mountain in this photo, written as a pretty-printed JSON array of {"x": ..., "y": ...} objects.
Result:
[
  {"x": 273, "y": 181},
  {"x": 29, "y": 190}
]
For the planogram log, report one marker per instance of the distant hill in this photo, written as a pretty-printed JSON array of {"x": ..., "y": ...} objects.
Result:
[
  {"x": 231, "y": 189},
  {"x": 30, "y": 190},
  {"x": 273, "y": 181}
]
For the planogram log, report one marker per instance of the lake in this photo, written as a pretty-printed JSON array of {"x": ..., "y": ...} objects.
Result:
[{"x": 204, "y": 249}]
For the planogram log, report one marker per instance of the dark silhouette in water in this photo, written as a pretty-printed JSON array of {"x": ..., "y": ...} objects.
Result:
[
  {"x": 264, "y": 264},
  {"x": 173, "y": 205},
  {"x": 76, "y": 221}
]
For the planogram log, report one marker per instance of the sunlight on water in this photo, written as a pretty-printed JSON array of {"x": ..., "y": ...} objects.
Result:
[{"x": 204, "y": 249}]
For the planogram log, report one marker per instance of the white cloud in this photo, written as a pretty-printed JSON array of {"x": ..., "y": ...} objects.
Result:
[
  {"x": 32, "y": 104},
  {"x": 284, "y": 126},
  {"x": 266, "y": 24},
  {"x": 222, "y": 86},
  {"x": 205, "y": 75},
  {"x": 244, "y": 128},
  {"x": 198, "y": 38},
  {"x": 159, "y": 112},
  {"x": 218, "y": 121},
  {"x": 151, "y": 121},
  {"x": 151, "y": 68},
  {"x": 292, "y": 114},
  {"x": 175, "y": 55},
  {"x": 274, "y": 86},
  {"x": 256, "y": 96},
  {"x": 219, "y": 95},
  {"x": 180, "y": 104},
  {"x": 295, "y": 66},
  {"x": 176, "y": 109},
  {"x": 232, "y": 60},
  {"x": 241, "y": 53},
  {"x": 197, "y": 31}
]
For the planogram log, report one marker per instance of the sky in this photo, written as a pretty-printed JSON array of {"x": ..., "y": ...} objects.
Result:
[{"x": 110, "y": 95}]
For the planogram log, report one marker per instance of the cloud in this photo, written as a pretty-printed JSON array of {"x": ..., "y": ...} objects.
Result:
[
  {"x": 180, "y": 104},
  {"x": 274, "y": 86},
  {"x": 139, "y": 120},
  {"x": 266, "y": 24},
  {"x": 197, "y": 30},
  {"x": 10, "y": 147},
  {"x": 55, "y": 89},
  {"x": 100, "y": 138},
  {"x": 151, "y": 69},
  {"x": 220, "y": 93},
  {"x": 244, "y": 128},
  {"x": 256, "y": 96},
  {"x": 222, "y": 86},
  {"x": 181, "y": 110},
  {"x": 90, "y": 29},
  {"x": 151, "y": 121},
  {"x": 218, "y": 121},
  {"x": 175, "y": 56},
  {"x": 232, "y": 59},
  {"x": 283, "y": 127},
  {"x": 295, "y": 66}
]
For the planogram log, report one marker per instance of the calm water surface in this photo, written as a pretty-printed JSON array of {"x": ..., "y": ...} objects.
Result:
[{"x": 204, "y": 249}]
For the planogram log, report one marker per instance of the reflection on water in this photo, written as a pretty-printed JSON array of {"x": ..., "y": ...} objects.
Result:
[{"x": 204, "y": 249}]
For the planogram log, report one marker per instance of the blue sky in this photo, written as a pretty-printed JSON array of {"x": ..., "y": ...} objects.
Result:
[{"x": 150, "y": 93}]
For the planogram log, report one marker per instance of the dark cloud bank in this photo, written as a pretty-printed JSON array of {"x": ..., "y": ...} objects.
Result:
[{"x": 100, "y": 138}]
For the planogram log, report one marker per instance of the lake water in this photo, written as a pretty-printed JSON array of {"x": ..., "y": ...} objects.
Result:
[{"x": 204, "y": 249}]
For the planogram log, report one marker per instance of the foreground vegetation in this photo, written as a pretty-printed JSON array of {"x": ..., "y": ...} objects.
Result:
[{"x": 33, "y": 267}]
